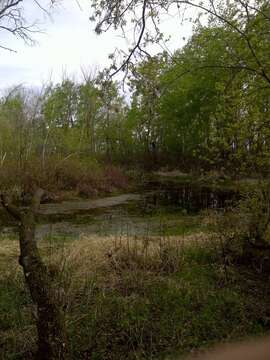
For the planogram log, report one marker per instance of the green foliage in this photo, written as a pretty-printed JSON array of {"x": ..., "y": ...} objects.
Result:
[
  {"x": 60, "y": 106},
  {"x": 204, "y": 107},
  {"x": 207, "y": 106},
  {"x": 69, "y": 125}
]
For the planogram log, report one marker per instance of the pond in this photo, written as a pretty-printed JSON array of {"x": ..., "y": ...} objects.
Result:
[
  {"x": 159, "y": 208},
  {"x": 189, "y": 196}
]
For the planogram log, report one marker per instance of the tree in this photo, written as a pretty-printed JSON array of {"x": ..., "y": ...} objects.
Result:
[
  {"x": 61, "y": 105},
  {"x": 145, "y": 83},
  {"x": 202, "y": 114},
  {"x": 247, "y": 20},
  {"x": 52, "y": 337},
  {"x": 19, "y": 122},
  {"x": 111, "y": 113},
  {"x": 88, "y": 111}
]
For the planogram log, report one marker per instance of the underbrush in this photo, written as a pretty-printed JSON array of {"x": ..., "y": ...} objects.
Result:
[
  {"x": 243, "y": 231},
  {"x": 82, "y": 177},
  {"x": 136, "y": 298}
]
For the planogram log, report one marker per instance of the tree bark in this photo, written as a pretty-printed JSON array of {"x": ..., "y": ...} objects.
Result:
[{"x": 51, "y": 329}]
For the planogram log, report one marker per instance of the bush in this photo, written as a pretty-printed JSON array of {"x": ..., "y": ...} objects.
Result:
[
  {"x": 83, "y": 177},
  {"x": 244, "y": 231}
]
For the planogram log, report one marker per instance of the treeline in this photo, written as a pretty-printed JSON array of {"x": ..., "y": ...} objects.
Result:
[
  {"x": 61, "y": 120},
  {"x": 59, "y": 137},
  {"x": 207, "y": 106}
]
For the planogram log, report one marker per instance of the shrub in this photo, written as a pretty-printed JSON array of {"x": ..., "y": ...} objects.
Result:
[
  {"x": 244, "y": 231},
  {"x": 83, "y": 177}
]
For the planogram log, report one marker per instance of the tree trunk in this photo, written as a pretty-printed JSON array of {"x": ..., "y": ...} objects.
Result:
[{"x": 52, "y": 338}]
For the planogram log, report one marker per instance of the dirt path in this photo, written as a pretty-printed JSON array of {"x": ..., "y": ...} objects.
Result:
[{"x": 67, "y": 207}]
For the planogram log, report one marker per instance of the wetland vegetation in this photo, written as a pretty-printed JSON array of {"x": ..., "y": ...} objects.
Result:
[
  {"x": 147, "y": 278},
  {"x": 140, "y": 219}
]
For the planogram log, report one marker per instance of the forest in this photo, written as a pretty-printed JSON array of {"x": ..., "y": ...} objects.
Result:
[{"x": 139, "y": 205}]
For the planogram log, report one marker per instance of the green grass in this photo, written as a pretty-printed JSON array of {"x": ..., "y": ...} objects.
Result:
[
  {"x": 182, "y": 225},
  {"x": 145, "y": 305},
  {"x": 189, "y": 309}
]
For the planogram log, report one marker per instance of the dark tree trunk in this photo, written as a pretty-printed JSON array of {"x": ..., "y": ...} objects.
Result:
[{"x": 52, "y": 338}]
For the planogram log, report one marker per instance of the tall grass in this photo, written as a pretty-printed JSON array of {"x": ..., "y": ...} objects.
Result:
[{"x": 133, "y": 298}]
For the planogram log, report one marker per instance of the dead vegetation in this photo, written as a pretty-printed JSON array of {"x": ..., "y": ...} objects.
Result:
[{"x": 80, "y": 177}]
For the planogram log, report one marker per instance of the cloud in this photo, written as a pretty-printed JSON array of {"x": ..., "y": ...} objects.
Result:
[{"x": 68, "y": 44}]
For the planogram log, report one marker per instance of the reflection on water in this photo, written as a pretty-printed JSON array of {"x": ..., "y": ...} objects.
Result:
[
  {"x": 144, "y": 214},
  {"x": 191, "y": 198}
]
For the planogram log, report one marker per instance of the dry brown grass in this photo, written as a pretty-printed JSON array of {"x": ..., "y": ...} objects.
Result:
[
  {"x": 105, "y": 261},
  {"x": 9, "y": 252},
  {"x": 91, "y": 254},
  {"x": 104, "y": 258},
  {"x": 9, "y": 248}
]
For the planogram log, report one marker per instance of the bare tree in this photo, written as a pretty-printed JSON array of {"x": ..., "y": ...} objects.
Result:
[{"x": 13, "y": 20}]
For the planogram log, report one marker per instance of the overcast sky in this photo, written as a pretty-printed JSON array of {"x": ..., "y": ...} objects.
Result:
[{"x": 68, "y": 44}]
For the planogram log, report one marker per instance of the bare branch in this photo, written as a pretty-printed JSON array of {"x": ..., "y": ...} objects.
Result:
[
  {"x": 42, "y": 8},
  {"x": 7, "y": 48},
  {"x": 137, "y": 45},
  {"x": 12, "y": 20},
  {"x": 9, "y": 5}
]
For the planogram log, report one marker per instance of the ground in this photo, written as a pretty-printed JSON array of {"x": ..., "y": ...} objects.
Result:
[{"x": 150, "y": 284}]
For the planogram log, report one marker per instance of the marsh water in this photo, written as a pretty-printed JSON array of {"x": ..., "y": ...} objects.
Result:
[{"x": 157, "y": 208}]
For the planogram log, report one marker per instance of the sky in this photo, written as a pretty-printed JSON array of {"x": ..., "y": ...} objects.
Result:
[{"x": 67, "y": 44}]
